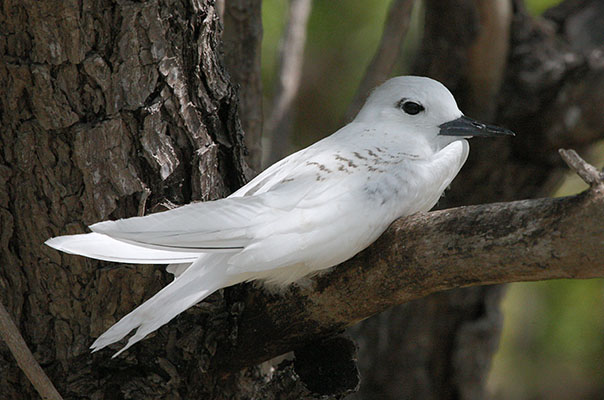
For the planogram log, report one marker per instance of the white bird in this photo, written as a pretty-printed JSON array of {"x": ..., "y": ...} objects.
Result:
[{"x": 306, "y": 213}]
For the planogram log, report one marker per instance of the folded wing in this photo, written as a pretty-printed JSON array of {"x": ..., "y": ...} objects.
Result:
[{"x": 222, "y": 225}]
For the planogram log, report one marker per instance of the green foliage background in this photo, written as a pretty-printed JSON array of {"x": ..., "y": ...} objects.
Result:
[{"x": 552, "y": 345}]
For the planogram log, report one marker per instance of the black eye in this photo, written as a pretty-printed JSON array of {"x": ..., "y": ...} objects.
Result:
[{"x": 411, "y": 107}]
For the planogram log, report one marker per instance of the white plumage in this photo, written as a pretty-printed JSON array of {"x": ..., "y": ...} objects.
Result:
[{"x": 308, "y": 212}]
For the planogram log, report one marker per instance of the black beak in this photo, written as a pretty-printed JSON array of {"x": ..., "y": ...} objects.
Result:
[{"x": 467, "y": 127}]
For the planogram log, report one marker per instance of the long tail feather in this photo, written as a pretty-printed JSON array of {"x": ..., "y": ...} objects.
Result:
[{"x": 202, "y": 278}]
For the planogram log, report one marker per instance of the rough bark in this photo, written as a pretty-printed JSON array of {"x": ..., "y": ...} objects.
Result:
[
  {"x": 441, "y": 346},
  {"x": 103, "y": 103}
]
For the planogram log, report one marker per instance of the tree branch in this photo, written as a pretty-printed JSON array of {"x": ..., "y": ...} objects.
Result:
[
  {"x": 526, "y": 240},
  {"x": 25, "y": 359},
  {"x": 380, "y": 68},
  {"x": 487, "y": 57},
  {"x": 586, "y": 171}
]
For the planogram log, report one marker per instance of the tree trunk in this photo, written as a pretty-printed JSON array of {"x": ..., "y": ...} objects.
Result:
[{"x": 108, "y": 109}]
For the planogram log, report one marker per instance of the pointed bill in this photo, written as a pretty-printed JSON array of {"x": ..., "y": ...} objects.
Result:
[{"x": 467, "y": 127}]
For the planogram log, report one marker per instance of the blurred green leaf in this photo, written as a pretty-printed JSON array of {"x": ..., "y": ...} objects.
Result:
[{"x": 537, "y": 7}]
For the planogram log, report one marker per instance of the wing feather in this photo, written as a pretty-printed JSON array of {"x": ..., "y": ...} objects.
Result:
[
  {"x": 225, "y": 224},
  {"x": 102, "y": 247}
]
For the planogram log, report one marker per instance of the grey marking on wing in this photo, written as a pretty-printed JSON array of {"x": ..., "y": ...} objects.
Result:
[
  {"x": 343, "y": 168},
  {"x": 371, "y": 168},
  {"x": 383, "y": 192},
  {"x": 357, "y": 155},
  {"x": 376, "y": 194},
  {"x": 407, "y": 154},
  {"x": 319, "y": 165},
  {"x": 371, "y": 153},
  {"x": 350, "y": 163}
]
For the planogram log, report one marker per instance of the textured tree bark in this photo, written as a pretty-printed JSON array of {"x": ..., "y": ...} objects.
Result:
[
  {"x": 102, "y": 104},
  {"x": 440, "y": 347}
]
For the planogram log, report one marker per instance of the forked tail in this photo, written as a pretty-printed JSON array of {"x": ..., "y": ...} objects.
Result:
[{"x": 206, "y": 275}]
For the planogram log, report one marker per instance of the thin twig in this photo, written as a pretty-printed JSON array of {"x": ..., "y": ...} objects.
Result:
[
  {"x": 142, "y": 204},
  {"x": 586, "y": 171},
  {"x": 25, "y": 359},
  {"x": 278, "y": 125},
  {"x": 384, "y": 60}
]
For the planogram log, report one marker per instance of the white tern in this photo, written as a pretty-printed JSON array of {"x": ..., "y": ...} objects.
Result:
[{"x": 306, "y": 213}]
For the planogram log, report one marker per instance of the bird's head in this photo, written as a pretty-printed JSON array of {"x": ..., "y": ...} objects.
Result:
[{"x": 423, "y": 106}]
